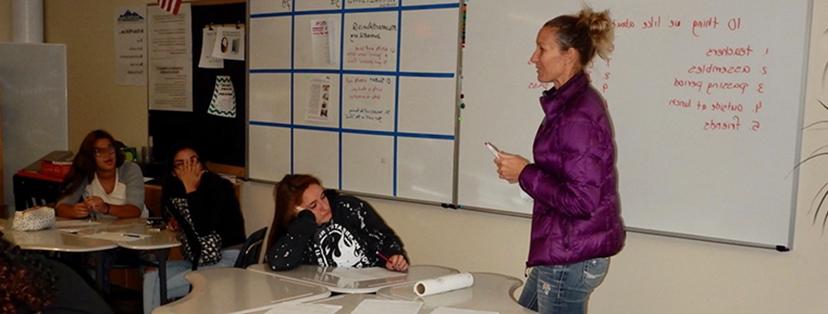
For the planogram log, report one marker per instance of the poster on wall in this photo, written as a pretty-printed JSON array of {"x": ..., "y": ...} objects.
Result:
[
  {"x": 170, "y": 59},
  {"x": 229, "y": 43},
  {"x": 323, "y": 35},
  {"x": 223, "y": 103},
  {"x": 130, "y": 46},
  {"x": 206, "y": 59},
  {"x": 320, "y": 98}
]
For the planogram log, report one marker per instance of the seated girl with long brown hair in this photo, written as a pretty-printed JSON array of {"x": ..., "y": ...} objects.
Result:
[
  {"x": 101, "y": 181},
  {"x": 315, "y": 226}
]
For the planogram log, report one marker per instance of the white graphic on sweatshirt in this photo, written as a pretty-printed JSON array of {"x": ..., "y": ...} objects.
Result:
[{"x": 338, "y": 247}]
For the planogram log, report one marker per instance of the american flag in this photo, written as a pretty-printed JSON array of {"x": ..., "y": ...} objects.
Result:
[{"x": 171, "y": 6}]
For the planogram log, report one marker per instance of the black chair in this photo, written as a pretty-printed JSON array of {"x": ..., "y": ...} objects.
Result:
[
  {"x": 31, "y": 192},
  {"x": 252, "y": 248}
]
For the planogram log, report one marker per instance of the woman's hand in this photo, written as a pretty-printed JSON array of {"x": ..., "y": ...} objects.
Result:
[
  {"x": 172, "y": 225},
  {"x": 190, "y": 175},
  {"x": 509, "y": 166},
  {"x": 97, "y": 204},
  {"x": 79, "y": 210},
  {"x": 397, "y": 263}
]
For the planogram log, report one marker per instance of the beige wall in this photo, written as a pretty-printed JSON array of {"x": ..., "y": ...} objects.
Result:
[
  {"x": 85, "y": 26},
  {"x": 5, "y": 20},
  {"x": 95, "y": 101},
  {"x": 652, "y": 275}
]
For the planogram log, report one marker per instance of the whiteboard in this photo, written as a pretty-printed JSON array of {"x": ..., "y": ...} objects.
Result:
[
  {"x": 361, "y": 94},
  {"x": 33, "y": 101},
  {"x": 682, "y": 75}
]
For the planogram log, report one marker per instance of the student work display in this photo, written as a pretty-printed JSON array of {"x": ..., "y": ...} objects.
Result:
[
  {"x": 346, "y": 91},
  {"x": 219, "y": 133}
]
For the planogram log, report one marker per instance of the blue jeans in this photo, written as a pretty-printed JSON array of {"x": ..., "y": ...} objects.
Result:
[
  {"x": 177, "y": 285},
  {"x": 563, "y": 289}
]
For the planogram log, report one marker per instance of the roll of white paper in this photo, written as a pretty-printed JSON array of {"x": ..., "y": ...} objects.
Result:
[{"x": 443, "y": 284}]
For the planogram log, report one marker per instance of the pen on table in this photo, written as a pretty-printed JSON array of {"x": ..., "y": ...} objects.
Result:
[{"x": 131, "y": 235}]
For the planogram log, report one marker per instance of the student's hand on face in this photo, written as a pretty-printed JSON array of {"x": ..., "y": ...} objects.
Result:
[
  {"x": 172, "y": 225},
  {"x": 321, "y": 215},
  {"x": 397, "y": 263},
  {"x": 190, "y": 174},
  {"x": 509, "y": 166},
  {"x": 314, "y": 200},
  {"x": 79, "y": 210}
]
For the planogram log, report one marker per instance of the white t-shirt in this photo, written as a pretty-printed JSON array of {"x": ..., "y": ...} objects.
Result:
[
  {"x": 118, "y": 196},
  {"x": 129, "y": 189}
]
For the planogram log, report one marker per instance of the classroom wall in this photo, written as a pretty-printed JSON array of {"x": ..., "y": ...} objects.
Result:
[
  {"x": 653, "y": 274},
  {"x": 85, "y": 26},
  {"x": 5, "y": 20},
  {"x": 95, "y": 101}
]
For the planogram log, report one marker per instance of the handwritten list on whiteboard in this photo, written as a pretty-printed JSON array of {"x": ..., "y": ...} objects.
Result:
[
  {"x": 369, "y": 102},
  {"x": 371, "y": 41},
  {"x": 705, "y": 98}
]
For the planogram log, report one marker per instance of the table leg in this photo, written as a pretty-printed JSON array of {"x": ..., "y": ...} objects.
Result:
[
  {"x": 100, "y": 271},
  {"x": 161, "y": 256}
]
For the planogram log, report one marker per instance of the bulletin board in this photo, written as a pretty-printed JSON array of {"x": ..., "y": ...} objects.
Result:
[
  {"x": 360, "y": 94},
  {"x": 221, "y": 138}
]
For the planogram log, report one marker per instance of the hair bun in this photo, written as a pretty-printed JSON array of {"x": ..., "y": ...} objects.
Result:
[{"x": 601, "y": 30}]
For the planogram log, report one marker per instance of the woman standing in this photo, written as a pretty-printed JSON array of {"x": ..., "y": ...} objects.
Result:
[
  {"x": 315, "y": 226},
  {"x": 102, "y": 182},
  {"x": 576, "y": 221},
  {"x": 207, "y": 216}
]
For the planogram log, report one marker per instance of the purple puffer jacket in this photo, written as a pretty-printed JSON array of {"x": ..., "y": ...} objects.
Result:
[{"x": 573, "y": 181}]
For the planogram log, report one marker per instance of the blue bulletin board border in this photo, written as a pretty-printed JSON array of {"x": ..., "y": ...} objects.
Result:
[
  {"x": 399, "y": 7},
  {"x": 354, "y": 72},
  {"x": 354, "y": 131},
  {"x": 396, "y": 134}
]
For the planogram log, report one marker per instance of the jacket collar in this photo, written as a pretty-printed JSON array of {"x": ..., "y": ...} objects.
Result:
[{"x": 555, "y": 98}]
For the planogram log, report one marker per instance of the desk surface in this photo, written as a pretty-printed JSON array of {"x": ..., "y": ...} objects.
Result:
[
  {"x": 73, "y": 239},
  {"x": 226, "y": 290},
  {"x": 349, "y": 302},
  {"x": 329, "y": 278},
  {"x": 490, "y": 292}
]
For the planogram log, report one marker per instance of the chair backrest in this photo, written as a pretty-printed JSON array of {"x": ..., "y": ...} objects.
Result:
[
  {"x": 251, "y": 249},
  {"x": 31, "y": 192}
]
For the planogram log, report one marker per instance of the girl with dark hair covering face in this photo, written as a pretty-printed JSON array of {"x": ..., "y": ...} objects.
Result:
[{"x": 203, "y": 209}]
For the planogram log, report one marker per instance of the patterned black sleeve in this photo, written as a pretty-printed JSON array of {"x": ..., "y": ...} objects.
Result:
[
  {"x": 386, "y": 240},
  {"x": 289, "y": 250},
  {"x": 214, "y": 196}
]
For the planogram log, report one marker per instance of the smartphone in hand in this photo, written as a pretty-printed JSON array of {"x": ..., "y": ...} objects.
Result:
[{"x": 493, "y": 149}]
